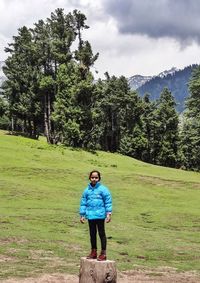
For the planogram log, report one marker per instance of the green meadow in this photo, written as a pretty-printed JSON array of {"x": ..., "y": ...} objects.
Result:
[{"x": 155, "y": 221}]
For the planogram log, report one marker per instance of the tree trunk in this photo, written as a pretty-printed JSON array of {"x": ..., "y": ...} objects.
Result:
[
  {"x": 35, "y": 131},
  {"x": 46, "y": 132},
  {"x": 49, "y": 116},
  {"x": 12, "y": 125},
  {"x": 30, "y": 132},
  {"x": 47, "y": 126},
  {"x": 93, "y": 271}
]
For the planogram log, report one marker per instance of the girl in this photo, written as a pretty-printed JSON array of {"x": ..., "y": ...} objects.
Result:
[{"x": 96, "y": 206}]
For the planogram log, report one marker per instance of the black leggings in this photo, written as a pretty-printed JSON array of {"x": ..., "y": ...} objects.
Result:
[{"x": 94, "y": 225}]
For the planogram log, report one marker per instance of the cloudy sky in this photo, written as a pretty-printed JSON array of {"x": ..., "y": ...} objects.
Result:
[{"x": 132, "y": 36}]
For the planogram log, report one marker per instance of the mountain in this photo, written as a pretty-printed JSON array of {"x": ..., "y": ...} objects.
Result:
[
  {"x": 175, "y": 80},
  {"x": 137, "y": 81},
  {"x": 168, "y": 72}
]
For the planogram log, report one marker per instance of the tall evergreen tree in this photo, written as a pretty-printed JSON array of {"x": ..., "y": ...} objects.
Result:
[
  {"x": 72, "y": 107},
  {"x": 115, "y": 114},
  {"x": 148, "y": 128},
  {"x": 190, "y": 134},
  {"x": 22, "y": 83},
  {"x": 53, "y": 40},
  {"x": 166, "y": 135},
  {"x": 84, "y": 54},
  {"x": 132, "y": 141}
]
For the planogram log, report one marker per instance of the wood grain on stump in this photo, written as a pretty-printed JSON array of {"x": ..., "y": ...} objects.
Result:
[{"x": 93, "y": 271}]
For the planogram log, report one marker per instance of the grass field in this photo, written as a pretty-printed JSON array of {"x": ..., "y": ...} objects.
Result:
[{"x": 156, "y": 216}]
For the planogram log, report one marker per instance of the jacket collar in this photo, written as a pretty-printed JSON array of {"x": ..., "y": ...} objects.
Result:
[{"x": 96, "y": 186}]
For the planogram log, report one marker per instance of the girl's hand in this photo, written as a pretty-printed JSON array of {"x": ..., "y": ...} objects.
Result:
[
  {"x": 108, "y": 218},
  {"x": 82, "y": 219}
]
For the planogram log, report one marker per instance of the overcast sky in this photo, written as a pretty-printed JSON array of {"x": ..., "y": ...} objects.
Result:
[{"x": 132, "y": 36}]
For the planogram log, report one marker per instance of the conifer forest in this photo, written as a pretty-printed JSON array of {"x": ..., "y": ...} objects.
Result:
[{"x": 50, "y": 91}]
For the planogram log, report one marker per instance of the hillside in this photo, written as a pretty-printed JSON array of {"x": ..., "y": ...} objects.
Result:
[
  {"x": 155, "y": 219},
  {"x": 176, "y": 82}
]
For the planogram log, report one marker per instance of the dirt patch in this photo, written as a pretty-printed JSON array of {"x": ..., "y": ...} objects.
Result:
[
  {"x": 176, "y": 184},
  {"x": 4, "y": 258},
  {"x": 46, "y": 278},
  {"x": 7, "y": 241},
  {"x": 161, "y": 275}
]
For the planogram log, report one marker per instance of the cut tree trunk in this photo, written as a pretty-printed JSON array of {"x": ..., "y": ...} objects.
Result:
[{"x": 93, "y": 271}]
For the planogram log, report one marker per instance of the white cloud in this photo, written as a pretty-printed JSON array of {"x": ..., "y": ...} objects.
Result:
[
  {"x": 125, "y": 54},
  {"x": 17, "y": 13}
]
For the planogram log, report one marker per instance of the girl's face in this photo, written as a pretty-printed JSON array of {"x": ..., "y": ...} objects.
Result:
[{"x": 94, "y": 178}]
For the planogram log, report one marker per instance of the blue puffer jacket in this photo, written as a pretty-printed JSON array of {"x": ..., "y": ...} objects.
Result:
[{"x": 96, "y": 202}]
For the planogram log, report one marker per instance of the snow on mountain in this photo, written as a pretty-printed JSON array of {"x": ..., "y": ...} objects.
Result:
[
  {"x": 168, "y": 72},
  {"x": 137, "y": 81}
]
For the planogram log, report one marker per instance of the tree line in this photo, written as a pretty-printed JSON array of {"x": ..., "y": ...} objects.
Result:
[{"x": 51, "y": 91}]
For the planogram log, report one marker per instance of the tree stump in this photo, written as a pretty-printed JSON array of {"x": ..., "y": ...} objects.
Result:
[{"x": 94, "y": 271}]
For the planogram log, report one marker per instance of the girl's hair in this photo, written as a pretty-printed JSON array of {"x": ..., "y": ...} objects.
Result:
[{"x": 95, "y": 171}]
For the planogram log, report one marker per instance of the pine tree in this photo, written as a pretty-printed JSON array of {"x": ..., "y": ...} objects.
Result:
[
  {"x": 84, "y": 54},
  {"x": 190, "y": 134},
  {"x": 148, "y": 128},
  {"x": 22, "y": 84},
  {"x": 72, "y": 107},
  {"x": 132, "y": 140},
  {"x": 116, "y": 112},
  {"x": 53, "y": 40},
  {"x": 166, "y": 135}
]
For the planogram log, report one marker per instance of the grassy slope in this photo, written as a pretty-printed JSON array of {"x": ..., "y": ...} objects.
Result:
[{"x": 155, "y": 220}]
